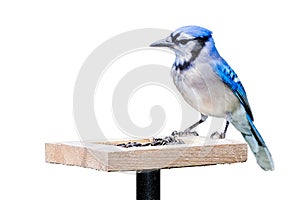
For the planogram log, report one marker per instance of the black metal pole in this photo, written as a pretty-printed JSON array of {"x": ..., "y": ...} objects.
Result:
[{"x": 148, "y": 185}]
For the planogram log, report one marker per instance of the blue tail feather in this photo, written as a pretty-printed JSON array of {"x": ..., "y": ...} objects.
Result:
[{"x": 258, "y": 147}]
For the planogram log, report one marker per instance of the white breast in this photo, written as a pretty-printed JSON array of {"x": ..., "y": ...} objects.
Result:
[{"x": 205, "y": 91}]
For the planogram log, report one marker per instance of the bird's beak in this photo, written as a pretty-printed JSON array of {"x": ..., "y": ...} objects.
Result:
[{"x": 167, "y": 42}]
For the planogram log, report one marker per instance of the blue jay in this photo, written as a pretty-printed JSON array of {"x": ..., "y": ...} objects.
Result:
[{"x": 210, "y": 86}]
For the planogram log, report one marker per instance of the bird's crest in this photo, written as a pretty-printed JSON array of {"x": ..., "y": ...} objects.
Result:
[{"x": 194, "y": 31}]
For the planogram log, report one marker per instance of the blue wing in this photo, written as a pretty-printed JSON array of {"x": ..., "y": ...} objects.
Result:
[{"x": 230, "y": 78}]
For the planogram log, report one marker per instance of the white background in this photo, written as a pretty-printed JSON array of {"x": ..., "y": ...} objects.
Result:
[{"x": 43, "y": 45}]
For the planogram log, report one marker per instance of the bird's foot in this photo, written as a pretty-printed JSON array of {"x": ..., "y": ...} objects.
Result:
[
  {"x": 184, "y": 133},
  {"x": 217, "y": 135}
]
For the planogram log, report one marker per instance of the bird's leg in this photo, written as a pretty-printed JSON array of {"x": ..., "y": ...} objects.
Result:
[
  {"x": 188, "y": 132},
  {"x": 221, "y": 135}
]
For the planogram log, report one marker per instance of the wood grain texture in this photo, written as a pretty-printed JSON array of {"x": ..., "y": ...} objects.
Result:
[{"x": 197, "y": 151}]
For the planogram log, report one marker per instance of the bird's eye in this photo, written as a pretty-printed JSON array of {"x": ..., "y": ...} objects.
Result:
[
  {"x": 174, "y": 38},
  {"x": 183, "y": 41}
]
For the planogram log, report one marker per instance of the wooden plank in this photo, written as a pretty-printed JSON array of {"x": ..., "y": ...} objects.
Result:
[{"x": 197, "y": 151}]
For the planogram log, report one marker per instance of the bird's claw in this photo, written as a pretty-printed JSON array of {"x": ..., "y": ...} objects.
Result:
[{"x": 217, "y": 135}]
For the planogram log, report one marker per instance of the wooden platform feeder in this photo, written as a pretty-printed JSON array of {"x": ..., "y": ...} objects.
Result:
[{"x": 147, "y": 160}]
